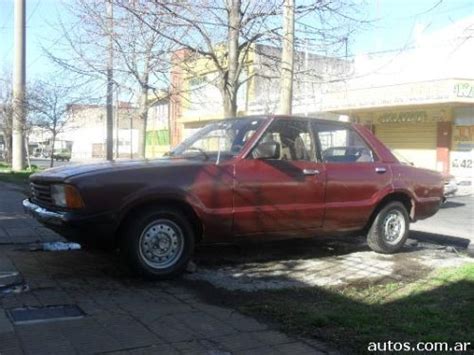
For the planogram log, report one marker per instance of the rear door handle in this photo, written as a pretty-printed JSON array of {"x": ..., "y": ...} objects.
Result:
[
  {"x": 310, "y": 171},
  {"x": 380, "y": 170}
]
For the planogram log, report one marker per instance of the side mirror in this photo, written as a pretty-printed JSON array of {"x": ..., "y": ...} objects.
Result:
[{"x": 267, "y": 150}]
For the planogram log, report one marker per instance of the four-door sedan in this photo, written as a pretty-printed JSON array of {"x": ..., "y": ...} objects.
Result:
[{"x": 253, "y": 177}]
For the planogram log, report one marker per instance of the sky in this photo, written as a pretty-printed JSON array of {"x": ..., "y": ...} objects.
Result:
[{"x": 394, "y": 24}]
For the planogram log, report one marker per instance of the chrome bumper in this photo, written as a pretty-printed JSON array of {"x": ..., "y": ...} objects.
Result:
[{"x": 42, "y": 214}]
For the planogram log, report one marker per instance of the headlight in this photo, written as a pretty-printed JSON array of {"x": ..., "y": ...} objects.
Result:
[{"x": 64, "y": 195}]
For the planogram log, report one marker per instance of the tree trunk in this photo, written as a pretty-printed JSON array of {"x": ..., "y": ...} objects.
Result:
[
  {"x": 230, "y": 104},
  {"x": 231, "y": 85},
  {"x": 287, "y": 59},
  {"x": 143, "y": 119},
  {"x": 8, "y": 147},
  {"x": 27, "y": 152},
  {"x": 53, "y": 143}
]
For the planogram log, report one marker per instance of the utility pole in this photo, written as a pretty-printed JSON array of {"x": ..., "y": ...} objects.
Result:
[
  {"x": 287, "y": 58},
  {"x": 110, "y": 85},
  {"x": 18, "y": 151}
]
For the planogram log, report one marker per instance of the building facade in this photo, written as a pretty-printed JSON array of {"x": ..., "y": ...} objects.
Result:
[
  {"x": 86, "y": 129},
  {"x": 430, "y": 124},
  {"x": 196, "y": 99}
]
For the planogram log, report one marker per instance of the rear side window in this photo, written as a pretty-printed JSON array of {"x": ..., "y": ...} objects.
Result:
[{"x": 341, "y": 144}]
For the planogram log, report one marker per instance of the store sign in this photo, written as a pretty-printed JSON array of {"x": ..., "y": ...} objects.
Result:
[
  {"x": 403, "y": 117},
  {"x": 464, "y": 90}
]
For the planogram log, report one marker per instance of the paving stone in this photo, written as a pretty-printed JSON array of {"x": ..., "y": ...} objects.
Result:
[
  {"x": 151, "y": 350},
  {"x": 172, "y": 330},
  {"x": 28, "y": 300},
  {"x": 262, "y": 350},
  {"x": 245, "y": 324},
  {"x": 205, "y": 325},
  {"x": 128, "y": 331},
  {"x": 23, "y": 234},
  {"x": 297, "y": 348},
  {"x": 87, "y": 336},
  {"x": 239, "y": 341},
  {"x": 5, "y": 324},
  {"x": 47, "y": 235},
  {"x": 200, "y": 346},
  {"x": 272, "y": 337},
  {"x": 49, "y": 347},
  {"x": 3, "y": 232},
  {"x": 48, "y": 297}
]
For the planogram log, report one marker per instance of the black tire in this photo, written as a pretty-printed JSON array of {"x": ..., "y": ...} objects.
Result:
[
  {"x": 384, "y": 235},
  {"x": 135, "y": 242}
]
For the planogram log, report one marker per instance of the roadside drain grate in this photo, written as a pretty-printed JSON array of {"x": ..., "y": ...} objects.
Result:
[{"x": 29, "y": 315}]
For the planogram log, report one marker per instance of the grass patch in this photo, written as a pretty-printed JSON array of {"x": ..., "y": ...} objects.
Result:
[
  {"x": 438, "y": 308},
  {"x": 18, "y": 177}
]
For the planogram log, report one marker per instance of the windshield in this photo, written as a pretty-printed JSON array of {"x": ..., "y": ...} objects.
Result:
[{"x": 219, "y": 140}]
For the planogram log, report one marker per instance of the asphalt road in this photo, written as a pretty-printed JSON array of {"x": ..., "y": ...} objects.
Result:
[
  {"x": 44, "y": 163},
  {"x": 454, "y": 219}
]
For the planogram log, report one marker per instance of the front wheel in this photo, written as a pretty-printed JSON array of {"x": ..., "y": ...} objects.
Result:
[
  {"x": 158, "y": 243},
  {"x": 390, "y": 229}
]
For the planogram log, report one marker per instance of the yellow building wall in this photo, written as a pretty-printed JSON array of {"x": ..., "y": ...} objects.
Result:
[
  {"x": 204, "y": 67},
  {"x": 409, "y": 132}
]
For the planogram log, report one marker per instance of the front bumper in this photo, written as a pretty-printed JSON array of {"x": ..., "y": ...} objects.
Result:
[
  {"x": 76, "y": 227},
  {"x": 43, "y": 215}
]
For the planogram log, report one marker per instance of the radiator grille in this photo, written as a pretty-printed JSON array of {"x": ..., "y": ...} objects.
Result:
[{"x": 41, "y": 192}]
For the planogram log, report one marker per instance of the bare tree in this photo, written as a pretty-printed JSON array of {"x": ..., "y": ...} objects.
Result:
[
  {"x": 140, "y": 55},
  {"x": 223, "y": 32},
  {"x": 6, "y": 115},
  {"x": 48, "y": 106}
]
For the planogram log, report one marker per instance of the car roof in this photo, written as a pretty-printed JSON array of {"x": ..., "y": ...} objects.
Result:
[{"x": 288, "y": 117}]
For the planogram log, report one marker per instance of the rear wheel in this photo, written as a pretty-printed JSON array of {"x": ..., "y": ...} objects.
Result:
[
  {"x": 390, "y": 229},
  {"x": 158, "y": 243}
]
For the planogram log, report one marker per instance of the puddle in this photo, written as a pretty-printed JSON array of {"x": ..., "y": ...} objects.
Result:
[{"x": 31, "y": 315}]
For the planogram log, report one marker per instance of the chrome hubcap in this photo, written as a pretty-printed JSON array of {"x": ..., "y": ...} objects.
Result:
[
  {"x": 161, "y": 243},
  {"x": 394, "y": 227}
]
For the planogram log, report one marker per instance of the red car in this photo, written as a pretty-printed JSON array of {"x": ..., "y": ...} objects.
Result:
[{"x": 253, "y": 177}]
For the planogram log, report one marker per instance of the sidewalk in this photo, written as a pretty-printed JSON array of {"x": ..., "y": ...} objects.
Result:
[
  {"x": 15, "y": 226},
  {"x": 122, "y": 314}
]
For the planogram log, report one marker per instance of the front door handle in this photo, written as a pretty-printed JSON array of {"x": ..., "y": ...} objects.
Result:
[
  {"x": 310, "y": 171},
  {"x": 380, "y": 170}
]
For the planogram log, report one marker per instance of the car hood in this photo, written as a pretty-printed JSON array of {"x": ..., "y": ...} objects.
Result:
[{"x": 68, "y": 171}]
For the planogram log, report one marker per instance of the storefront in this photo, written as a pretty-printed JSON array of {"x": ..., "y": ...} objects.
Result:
[
  {"x": 430, "y": 124},
  {"x": 411, "y": 133},
  {"x": 462, "y": 147}
]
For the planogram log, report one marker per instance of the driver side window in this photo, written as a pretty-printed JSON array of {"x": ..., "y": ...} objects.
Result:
[{"x": 292, "y": 138}]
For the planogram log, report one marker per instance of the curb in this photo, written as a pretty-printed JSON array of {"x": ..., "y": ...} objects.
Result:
[{"x": 470, "y": 249}]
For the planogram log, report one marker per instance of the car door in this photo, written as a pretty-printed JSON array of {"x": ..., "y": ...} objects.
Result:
[
  {"x": 355, "y": 177},
  {"x": 285, "y": 192}
]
